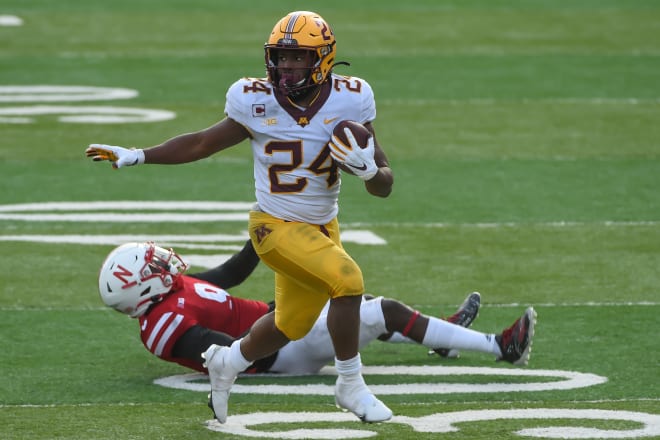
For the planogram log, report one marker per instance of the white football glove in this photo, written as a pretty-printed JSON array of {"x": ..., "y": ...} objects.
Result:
[
  {"x": 360, "y": 160},
  {"x": 119, "y": 156}
]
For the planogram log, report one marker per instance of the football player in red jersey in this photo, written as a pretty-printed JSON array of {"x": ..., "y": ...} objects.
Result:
[{"x": 182, "y": 315}]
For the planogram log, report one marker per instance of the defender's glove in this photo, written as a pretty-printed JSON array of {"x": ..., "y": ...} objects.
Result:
[
  {"x": 359, "y": 159},
  {"x": 119, "y": 156}
]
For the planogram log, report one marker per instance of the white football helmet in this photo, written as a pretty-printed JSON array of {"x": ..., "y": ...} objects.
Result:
[{"x": 136, "y": 275}]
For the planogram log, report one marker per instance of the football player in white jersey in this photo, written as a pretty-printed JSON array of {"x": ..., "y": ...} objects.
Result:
[{"x": 289, "y": 118}]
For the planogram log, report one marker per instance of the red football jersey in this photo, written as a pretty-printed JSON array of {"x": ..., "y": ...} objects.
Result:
[{"x": 196, "y": 303}]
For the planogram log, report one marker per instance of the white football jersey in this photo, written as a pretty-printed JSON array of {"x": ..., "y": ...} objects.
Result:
[{"x": 295, "y": 177}]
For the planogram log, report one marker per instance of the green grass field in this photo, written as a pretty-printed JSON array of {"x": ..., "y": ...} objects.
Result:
[{"x": 524, "y": 139}]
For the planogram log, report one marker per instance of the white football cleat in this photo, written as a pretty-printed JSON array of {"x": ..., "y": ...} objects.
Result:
[
  {"x": 357, "y": 399},
  {"x": 222, "y": 377}
]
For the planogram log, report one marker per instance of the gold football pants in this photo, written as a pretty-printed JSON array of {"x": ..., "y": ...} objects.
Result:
[{"x": 310, "y": 265}]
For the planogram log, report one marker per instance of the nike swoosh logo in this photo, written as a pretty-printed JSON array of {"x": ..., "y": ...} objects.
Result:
[
  {"x": 362, "y": 168},
  {"x": 329, "y": 121}
]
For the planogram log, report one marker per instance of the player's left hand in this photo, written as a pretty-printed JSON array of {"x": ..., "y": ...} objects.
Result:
[
  {"x": 359, "y": 158},
  {"x": 119, "y": 156}
]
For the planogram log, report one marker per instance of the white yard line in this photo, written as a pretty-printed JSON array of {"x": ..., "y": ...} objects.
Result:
[
  {"x": 483, "y": 305},
  {"x": 462, "y": 402},
  {"x": 492, "y": 101},
  {"x": 495, "y": 225}
]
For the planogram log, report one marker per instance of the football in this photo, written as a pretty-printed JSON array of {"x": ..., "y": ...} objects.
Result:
[{"x": 360, "y": 133}]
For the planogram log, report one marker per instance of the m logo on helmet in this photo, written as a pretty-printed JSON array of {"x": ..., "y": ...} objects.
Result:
[{"x": 121, "y": 273}]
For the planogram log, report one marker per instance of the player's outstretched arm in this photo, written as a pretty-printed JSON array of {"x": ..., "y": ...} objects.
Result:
[{"x": 188, "y": 147}]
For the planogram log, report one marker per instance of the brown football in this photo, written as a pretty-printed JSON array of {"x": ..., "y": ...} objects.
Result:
[{"x": 360, "y": 133}]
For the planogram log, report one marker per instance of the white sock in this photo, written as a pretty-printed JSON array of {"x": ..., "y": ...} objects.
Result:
[
  {"x": 443, "y": 334},
  {"x": 236, "y": 358},
  {"x": 350, "y": 370}
]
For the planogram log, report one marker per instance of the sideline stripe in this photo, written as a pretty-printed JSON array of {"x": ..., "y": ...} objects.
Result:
[
  {"x": 514, "y": 101},
  {"x": 175, "y": 211},
  {"x": 462, "y": 402},
  {"x": 93, "y": 404},
  {"x": 493, "y": 225},
  {"x": 123, "y": 205},
  {"x": 10, "y": 20},
  {"x": 183, "y": 217},
  {"x": 584, "y": 304}
]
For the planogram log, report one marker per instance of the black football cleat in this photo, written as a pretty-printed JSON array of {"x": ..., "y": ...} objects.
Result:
[
  {"x": 464, "y": 316},
  {"x": 516, "y": 341}
]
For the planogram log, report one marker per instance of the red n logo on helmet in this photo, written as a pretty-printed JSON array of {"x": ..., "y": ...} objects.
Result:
[{"x": 121, "y": 273}]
